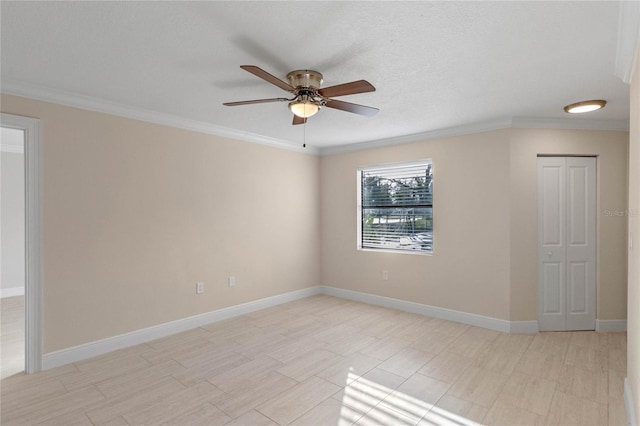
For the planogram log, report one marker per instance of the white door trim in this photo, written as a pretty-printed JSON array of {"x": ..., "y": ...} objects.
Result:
[{"x": 33, "y": 237}]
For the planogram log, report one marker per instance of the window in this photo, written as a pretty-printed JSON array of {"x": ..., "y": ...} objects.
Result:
[{"x": 395, "y": 207}]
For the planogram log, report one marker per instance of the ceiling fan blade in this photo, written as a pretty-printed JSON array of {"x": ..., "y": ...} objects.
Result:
[
  {"x": 259, "y": 72},
  {"x": 256, "y": 101},
  {"x": 360, "y": 86},
  {"x": 349, "y": 107},
  {"x": 298, "y": 120}
]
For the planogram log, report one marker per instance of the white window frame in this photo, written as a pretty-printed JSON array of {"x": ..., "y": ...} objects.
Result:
[{"x": 359, "y": 206}]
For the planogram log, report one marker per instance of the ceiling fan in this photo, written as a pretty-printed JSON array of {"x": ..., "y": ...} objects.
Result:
[{"x": 308, "y": 96}]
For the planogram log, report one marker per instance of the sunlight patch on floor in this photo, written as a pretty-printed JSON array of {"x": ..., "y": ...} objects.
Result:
[{"x": 383, "y": 406}]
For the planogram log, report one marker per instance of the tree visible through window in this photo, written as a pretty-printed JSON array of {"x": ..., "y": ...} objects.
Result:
[{"x": 396, "y": 207}]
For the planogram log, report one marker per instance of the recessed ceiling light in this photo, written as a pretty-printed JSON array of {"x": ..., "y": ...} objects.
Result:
[{"x": 585, "y": 106}]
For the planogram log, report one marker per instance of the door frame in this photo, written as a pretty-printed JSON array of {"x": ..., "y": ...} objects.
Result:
[{"x": 33, "y": 236}]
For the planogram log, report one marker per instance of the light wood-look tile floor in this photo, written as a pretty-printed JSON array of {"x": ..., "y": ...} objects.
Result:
[
  {"x": 11, "y": 335},
  {"x": 328, "y": 361}
]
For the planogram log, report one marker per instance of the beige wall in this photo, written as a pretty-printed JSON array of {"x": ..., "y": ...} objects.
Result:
[
  {"x": 611, "y": 149},
  {"x": 485, "y": 228},
  {"x": 633, "y": 328},
  {"x": 469, "y": 270},
  {"x": 134, "y": 214}
]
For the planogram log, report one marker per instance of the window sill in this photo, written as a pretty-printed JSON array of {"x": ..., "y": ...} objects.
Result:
[{"x": 411, "y": 252}]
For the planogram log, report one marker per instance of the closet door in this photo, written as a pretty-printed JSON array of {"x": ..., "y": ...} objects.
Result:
[{"x": 566, "y": 243}]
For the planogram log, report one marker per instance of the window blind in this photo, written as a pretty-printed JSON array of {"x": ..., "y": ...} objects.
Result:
[{"x": 397, "y": 207}]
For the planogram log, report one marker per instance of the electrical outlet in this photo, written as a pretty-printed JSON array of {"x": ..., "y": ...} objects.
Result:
[
  {"x": 232, "y": 281},
  {"x": 199, "y": 287},
  {"x": 385, "y": 275}
]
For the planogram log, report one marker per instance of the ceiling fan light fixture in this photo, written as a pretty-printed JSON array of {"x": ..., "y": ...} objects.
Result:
[
  {"x": 303, "y": 109},
  {"x": 585, "y": 106}
]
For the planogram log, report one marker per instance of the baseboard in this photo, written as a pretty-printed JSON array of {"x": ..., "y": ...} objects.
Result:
[
  {"x": 524, "y": 327},
  {"x": 88, "y": 350},
  {"x": 99, "y": 347},
  {"x": 611, "y": 326},
  {"x": 434, "y": 311},
  {"x": 11, "y": 291},
  {"x": 628, "y": 403}
]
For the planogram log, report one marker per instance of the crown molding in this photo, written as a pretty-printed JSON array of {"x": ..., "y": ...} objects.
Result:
[
  {"x": 420, "y": 137},
  {"x": 22, "y": 89},
  {"x": 26, "y": 90},
  {"x": 628, "y": 40},
  {"x": 486, "y": 126},
  {"x": 570, "y": 123}
]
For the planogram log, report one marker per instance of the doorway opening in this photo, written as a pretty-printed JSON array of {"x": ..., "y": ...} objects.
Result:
[
  {"x": 21, "y": 257},
  {"x": 12, "y": 251}
]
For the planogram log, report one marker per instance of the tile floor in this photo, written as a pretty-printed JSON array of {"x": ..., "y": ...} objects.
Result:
[
  {"x": 11, "y": 335},
  {"x": 328, "y": 361}
]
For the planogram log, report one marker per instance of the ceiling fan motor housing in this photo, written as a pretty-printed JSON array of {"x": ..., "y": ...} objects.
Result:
[{"x": 305, "y": 78}]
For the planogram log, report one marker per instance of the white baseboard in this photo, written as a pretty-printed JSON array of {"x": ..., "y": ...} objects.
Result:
[
  {"x": 628, "y": 403},
  {"x": 99, "y": 347},
  {"x": 436, "y": 312},
  {"x": 611, "y": 325},
  {"x": 524, "y": 327},
  {"x": 11, "y": 291}
]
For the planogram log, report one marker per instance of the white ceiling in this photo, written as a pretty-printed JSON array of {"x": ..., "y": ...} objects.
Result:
[{"x": 435, "y": 65}]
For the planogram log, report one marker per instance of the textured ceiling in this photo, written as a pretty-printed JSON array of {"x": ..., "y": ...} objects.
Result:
[{"x": 435, "y": 65}]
